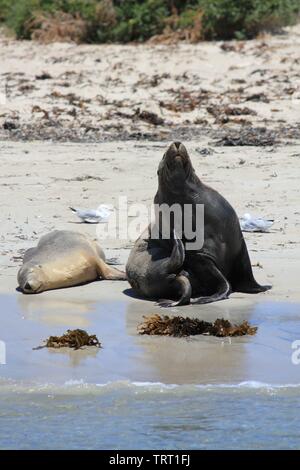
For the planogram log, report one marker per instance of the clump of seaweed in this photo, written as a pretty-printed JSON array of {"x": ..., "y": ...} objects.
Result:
[
  {"x": 149, "y": 117},
  {"x": 180, "y": 327},
  {"x": 74, "y": 339},
  {"x": 255, "y": 136}
]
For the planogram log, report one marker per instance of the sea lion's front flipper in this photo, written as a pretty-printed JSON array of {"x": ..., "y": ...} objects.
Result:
[
  {"x": 208, "y": 274},
  {"x": 242, "y": 279},
  {"x": 109, "y": 273},
  {"x": 181, "y": 284}
]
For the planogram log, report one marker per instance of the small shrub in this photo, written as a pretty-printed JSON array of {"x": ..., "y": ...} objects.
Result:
[
  {"x": 189, "y": 22},
  {"x": 18, "y": 14},
  {"x": 226, "y": 19},
  {"x": 56, "y": 27},
  {"x": 4, "y": 9},
  {"x": 139, "y": 20}
]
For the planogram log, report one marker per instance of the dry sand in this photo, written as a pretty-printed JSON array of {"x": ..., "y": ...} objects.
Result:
[
  {"x": 39, "y": 180},
  {"x": 87, "y": 93}
]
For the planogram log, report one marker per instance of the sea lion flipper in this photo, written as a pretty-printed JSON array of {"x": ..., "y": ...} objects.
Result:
[
  {"x": 242, "y": 279},
  {"x": 183, "y": 286},
  {"x": 177, "y": 255},
  {"x": 254, "y": 288},
  {"x": 211, "y": 298},
  {"x": 109, "y": 273},
  {"x": 208, "y": 274}
]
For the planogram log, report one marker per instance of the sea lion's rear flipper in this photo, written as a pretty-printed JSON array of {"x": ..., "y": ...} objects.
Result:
[
  {"x": 109, "y": 273},
  {"x": 209, "y": 275},
  {"x": 184, "y": 288},
  {"x": 242, "y": 279}
]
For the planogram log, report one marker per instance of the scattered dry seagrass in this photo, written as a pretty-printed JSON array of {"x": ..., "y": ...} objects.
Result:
[
  {"x": 180, "y": 326},
  {"x": 74, "y": 339}
]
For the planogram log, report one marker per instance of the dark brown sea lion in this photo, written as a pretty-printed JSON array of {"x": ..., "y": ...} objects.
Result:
[
  {"x": 64, "y": 258},
  {"x": 166, "y": 268}
]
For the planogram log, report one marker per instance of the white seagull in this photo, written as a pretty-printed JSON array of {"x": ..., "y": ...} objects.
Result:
[
  {"x": 252, "y": 224},
  {"x": 94, "y": 216}
]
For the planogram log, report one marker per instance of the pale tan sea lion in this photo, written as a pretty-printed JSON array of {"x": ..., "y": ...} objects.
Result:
[{"x": 64, "y": 258}]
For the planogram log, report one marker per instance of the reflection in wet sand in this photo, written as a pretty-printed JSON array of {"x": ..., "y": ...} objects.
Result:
[
  {"x": 55, "y": 311},
  {"x": 76, "y": 357},
  {"x": 195, "y": 359},
  {"x": 127, "y": 356},
  {"x": 264, "y": 357}
]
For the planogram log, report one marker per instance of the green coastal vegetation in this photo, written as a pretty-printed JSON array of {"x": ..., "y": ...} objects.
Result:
[{"x": 96, "y": 21}]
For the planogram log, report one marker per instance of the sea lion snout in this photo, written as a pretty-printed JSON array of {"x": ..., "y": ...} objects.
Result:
[
  {"x": 27, "y": 288},
  {"x": 175, "y": 163},
  {"x": 175, "y": 150},
  {"x": 32, "y": 285},
  {"x": 176, "y": 156}
]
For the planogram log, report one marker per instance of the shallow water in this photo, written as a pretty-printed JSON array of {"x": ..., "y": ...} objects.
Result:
[
  {"x": 147, "y": 392},
  {"x": 151, "y": 416}
]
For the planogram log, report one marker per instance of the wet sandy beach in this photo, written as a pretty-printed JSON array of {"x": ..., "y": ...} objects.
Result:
[{"x": 127, "y": 356}]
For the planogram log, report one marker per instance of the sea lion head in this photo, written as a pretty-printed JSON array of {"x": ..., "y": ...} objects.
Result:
[
  {"x": 32, "y": 279},
  {"x": 175, "y": 166}
]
